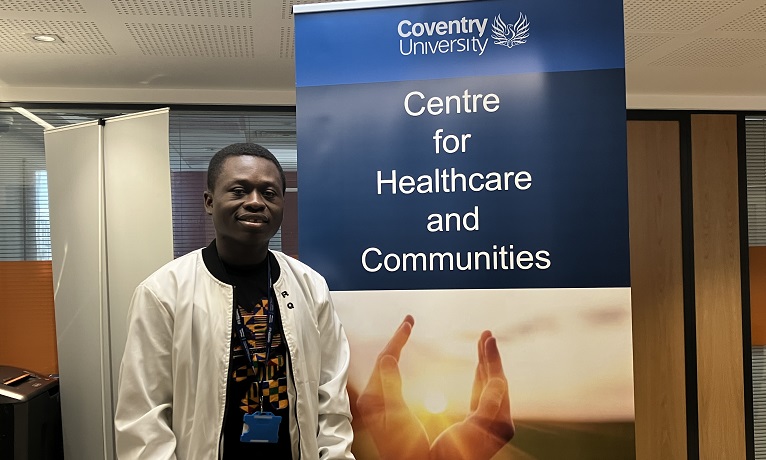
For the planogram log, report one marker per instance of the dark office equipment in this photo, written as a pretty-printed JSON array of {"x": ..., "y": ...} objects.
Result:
[{"x": 30, "y": 416}]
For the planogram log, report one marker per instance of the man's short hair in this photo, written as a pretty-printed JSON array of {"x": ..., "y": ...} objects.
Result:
[{"x": 233, "y": 150}]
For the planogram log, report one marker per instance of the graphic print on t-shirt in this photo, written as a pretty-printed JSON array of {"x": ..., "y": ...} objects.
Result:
[{"x": 272, "y": 374}]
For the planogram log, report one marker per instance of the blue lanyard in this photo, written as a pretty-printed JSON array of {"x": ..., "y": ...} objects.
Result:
[
  {"x": 270, "y": 315},
  {"x": 270, "y": 318}
]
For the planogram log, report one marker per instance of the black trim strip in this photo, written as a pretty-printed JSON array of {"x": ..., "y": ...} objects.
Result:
[
  {"x": 690, "y": 301},
  {"x": 744, "y": 247},
  {"x": 678, "y": 115},
  {"x": 140, "y": 107}
]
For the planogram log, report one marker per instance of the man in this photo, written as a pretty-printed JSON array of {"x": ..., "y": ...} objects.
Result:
[{"x": 235, "y": 351}]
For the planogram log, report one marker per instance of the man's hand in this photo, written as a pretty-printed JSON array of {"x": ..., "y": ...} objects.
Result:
[
  {"x": 397, "y": 433},
  {"x": 489, "y": 426}
]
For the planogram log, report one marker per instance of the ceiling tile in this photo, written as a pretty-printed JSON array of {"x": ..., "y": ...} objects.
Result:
[
  {"x": 665, "y": 15},
  {"x": 194, "y": 40},
  {"x": 59, "y": 6},
  {"x": 638, "y": 45},
  {"x": 78, "y": 37},
  {"x": 715, "y": 52},
  {"x": 184, "y": 8}
]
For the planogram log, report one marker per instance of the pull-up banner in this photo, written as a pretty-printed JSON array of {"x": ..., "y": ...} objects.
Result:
[{"x": 465, "y": 163}]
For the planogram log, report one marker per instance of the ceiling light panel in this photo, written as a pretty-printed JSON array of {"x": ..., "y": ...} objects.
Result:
[
  {"x": 716, "y": 52},
  {"x": 59, "y": 6},
  {"x": 78, "y": 37},
  {"x": 46, "y": 38},
  {"x": 194, "y": 40},
  {"x": 186, "y": 8},
  {"x": 672, "y": 16}
]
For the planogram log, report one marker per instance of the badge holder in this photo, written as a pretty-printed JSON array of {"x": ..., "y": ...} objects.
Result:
[{"x": 260, "y": 427}]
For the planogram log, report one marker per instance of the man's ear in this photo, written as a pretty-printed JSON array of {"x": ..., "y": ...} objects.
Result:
[{"x": 208, "y": 197}]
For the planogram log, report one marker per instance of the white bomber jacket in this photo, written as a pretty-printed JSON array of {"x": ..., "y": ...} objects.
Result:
[{"x": 173, "y": 377}]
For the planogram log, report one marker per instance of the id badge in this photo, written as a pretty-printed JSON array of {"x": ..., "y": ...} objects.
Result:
[{"x": 260, "y": 427}]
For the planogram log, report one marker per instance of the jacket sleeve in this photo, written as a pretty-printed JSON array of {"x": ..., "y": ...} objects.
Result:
[
  {"x": 335, "y": 435},
  {"x": 143, "y": 427}
]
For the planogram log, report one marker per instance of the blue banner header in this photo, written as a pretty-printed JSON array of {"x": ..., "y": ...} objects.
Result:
[{"x": 449, "y": 40}]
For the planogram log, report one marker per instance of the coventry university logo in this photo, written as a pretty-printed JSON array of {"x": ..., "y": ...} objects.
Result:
[
  {"x": 458, "y": 35},
  {"x": 510, "y": 35}
]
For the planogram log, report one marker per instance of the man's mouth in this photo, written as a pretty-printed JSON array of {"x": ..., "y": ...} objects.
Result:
[{"x": 253, "y": 219}]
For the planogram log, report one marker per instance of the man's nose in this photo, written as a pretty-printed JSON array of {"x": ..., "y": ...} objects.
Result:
[{"x": 254, "y": 200}]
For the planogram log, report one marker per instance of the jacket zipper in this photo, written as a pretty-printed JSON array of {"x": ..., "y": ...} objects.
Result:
[
  {"x": 295, "y": 406},
  {"x": 292, "y": 371}
]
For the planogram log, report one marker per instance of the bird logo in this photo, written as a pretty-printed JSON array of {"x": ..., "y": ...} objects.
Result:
[{"x": 510, "y": 35}]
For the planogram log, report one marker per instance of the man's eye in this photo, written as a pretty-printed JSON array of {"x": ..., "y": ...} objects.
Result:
[
  {"x": 269, "y": 194},
  {"x": 238, "y": 192}
]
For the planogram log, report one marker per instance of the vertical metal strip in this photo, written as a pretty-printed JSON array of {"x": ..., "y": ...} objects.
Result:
[{"x": 104, "y": 336}]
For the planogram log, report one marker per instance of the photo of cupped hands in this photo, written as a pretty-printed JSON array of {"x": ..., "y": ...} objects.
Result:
[{"x": 399, "y": 435}]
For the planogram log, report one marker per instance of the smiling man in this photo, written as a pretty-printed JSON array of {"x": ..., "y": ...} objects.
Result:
[{"x": 235, "y": 351}]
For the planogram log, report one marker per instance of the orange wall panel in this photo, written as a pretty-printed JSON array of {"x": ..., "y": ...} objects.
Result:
[{"x": 27, "y": 316}]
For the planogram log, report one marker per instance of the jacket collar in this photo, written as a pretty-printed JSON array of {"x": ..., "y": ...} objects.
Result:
[{"x": 215, "y": 266}]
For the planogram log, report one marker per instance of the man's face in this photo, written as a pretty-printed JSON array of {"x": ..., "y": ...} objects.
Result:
[{"x": 246, "y": 202}]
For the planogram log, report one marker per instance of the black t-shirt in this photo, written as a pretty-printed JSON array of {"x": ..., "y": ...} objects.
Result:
[{"x": 251, "y": 295}]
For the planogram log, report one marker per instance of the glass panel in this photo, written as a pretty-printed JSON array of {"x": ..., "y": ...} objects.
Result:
[
  {"x": 23, "y": 231},
  {"x": 755, "y": 146},
  {"x": 194, "y": 137}
]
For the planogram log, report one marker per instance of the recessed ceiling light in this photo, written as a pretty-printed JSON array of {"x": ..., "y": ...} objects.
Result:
[{"x": 46, "y": 38}]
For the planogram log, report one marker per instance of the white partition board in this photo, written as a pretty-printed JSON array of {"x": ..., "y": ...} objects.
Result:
[{"x": 110, "y": 212}]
